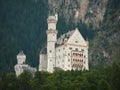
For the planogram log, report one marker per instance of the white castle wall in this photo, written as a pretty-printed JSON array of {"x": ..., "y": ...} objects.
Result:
[{"x": 62, "y": 55}]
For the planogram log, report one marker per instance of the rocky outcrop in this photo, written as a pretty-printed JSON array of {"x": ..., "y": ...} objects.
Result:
[{"x": 90, "y": 12}]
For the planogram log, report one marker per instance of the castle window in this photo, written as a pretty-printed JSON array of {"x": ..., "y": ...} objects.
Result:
[
  {"x": 68, "y": 59},
  {"x": 50, "y": 60},
  {"x": 76, "y": 49},
  {"x": 82, "y": 50},
  {"x": 59, "y": 50},
  {"x": 63, "y": 48},
  {"x": 68, "y": 65},
  {"x": 76, "y": 41},
  {"x": 50, "y": 51},
  {"x": 76, "y": 54},
  {"x": 84, "y": 56},
  {"x": 68, "y": 54},
  {"x": 70, "y": 48}
]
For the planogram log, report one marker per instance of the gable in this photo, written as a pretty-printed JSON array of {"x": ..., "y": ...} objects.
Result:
[
  {"x": 77, "y": 39},
  {"x": 64, "y": 38}
]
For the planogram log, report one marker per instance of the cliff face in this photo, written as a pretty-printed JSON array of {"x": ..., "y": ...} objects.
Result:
[
  {"x": 90, "y": 12},
  {"x": 95, "y": 14},
  {"x": 105, "y": 47}
]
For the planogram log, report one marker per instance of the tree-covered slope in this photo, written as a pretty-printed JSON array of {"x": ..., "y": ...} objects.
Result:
[
  {"x": 101, "y": 79},
  {"x": 22, "y": 27}
]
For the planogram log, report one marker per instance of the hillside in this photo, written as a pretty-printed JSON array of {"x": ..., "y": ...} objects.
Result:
[
  {"x": 105, "y": 47},
  {"x": 101, "y": 79},
  {"x": 23, "y": 25}
]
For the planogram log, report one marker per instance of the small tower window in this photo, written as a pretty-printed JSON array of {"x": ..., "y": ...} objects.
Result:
[
  {"x": 76, "y": 41},
  {"x": 70, "y": 48},
  {"x": 50, "y": 51},
  {"x": 84, "y": 56},
  {"x": 68, "y": 59},
  {"x": 68, "y": 54},
  {"x": 76, "y": 49},
  {"x": 82, "y": 50}
]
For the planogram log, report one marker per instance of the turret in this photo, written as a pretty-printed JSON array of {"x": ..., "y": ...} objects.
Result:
[
  {"x": 52, "y": 21},
  {"x": 21, "y": 57},
  {"x": 51, "y": 40},
  {"x": 20, "y": 67}
]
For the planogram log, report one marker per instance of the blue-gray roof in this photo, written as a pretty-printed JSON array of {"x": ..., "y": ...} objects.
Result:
[
  {"x": 43, "y": 51},
  {"x": 67, "y": 35}
]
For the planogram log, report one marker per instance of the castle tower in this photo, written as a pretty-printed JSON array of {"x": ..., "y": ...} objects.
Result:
[
  {"x": 51, "y": 39},
  {"x": 87, "y": 64},
  {"x": 21, "y": 57},
  {"x": 20, "y": 67}
]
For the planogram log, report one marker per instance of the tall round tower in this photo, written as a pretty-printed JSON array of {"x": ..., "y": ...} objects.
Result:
[{"x": 51, "y": 40}]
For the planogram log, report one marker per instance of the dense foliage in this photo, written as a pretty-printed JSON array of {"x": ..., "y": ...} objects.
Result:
[
  {"x": 22, "y": 27},
  {"x": 102, "y": 79}
]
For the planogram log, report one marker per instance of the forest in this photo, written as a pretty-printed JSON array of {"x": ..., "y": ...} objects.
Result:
[{"x": 100, "y": 79}]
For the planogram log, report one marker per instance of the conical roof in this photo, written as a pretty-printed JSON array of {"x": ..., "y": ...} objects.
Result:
[{"x": 21, "y": 57}]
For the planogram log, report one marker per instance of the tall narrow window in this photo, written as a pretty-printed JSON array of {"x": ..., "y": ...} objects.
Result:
[
  {"x": 76, "y": 49},
  {"x": 68, "y": 59},
  {"x": 50, "y": 51},
  {"x": 70, "y": 48},
  {"x": 68, "y": 54}
]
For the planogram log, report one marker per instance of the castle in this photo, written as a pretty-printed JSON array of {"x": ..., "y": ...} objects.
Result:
[
  {"x": 20, "y": 67},
  {"x": 69, "y": 51}
]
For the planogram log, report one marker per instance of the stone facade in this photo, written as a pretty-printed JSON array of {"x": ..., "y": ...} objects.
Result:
[
  {"x": 20, "y": 67},
  {"x": 69, "y": 51}
]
